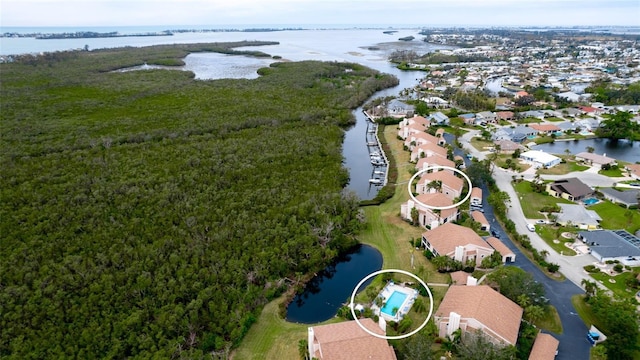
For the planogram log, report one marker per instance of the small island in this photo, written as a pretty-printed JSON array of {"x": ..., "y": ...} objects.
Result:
[
  {"x": 93, "y": 34},
  {"x": 407, "y": 38}
]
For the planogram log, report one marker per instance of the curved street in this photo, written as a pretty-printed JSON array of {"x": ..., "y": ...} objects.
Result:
[{"x": 573, "y": 342}]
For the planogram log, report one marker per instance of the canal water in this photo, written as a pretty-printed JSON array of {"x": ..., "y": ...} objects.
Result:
[
  {"x": 622, "y": 150},
  {"x": 331, "y": 288}
]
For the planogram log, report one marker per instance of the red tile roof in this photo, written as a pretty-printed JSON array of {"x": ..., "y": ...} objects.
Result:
[{"x": 348, "y": 341}]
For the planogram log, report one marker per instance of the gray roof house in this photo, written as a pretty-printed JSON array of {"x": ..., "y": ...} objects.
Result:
[
  {"x": 578, "y": 216},
  {"x": 439, "y": 118},
  {"x": 624, "y": 197},
  {"x": 399, "y": 108},
  {"x": 612, "y": 245}
]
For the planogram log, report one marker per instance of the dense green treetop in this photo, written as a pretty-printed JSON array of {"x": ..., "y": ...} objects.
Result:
[{"x": 149, "y": 214}]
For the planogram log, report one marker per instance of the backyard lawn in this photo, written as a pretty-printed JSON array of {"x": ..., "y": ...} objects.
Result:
[
  {"x": 615, "y": 217},
  {"x": 612, "y": 172},
  {"x": 532, "y": 202}
]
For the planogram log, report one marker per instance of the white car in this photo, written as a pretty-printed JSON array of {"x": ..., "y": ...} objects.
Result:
[{"x": 531, "y": 227}]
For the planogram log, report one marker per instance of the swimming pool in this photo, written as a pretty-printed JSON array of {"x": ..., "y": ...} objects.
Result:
[
  {"x": 395, "y": 301},
  {"x": 590, "y": 201}
]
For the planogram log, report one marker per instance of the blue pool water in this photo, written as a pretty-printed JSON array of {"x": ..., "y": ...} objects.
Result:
[
  {"x": 395, "y": 301},
  {"x": 590, "y": 201}
]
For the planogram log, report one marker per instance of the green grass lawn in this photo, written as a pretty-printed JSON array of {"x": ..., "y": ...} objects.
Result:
[
  {"x": 554, "y": 119},
  {"x": 532, "y": 202},
  {"x": 615, "y": 217},
  {"x": 561, "y": 169},
  {"x": 550, "y": 321},
  {"x": 584, "y": 311},
  {"x": 619, "y": 286},
  {"x": 613, "y": 172},
  {"x": 549, "y": 233},
  {"x": 480, "y": 144}
]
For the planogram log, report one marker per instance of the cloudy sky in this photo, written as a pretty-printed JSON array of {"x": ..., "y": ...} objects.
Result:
[{"x": 314, "y": 12}]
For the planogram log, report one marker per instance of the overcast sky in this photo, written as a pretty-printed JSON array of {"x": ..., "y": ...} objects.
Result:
[{"x": 312, "y": 12}]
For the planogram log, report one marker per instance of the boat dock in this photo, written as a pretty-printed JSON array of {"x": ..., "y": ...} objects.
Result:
[{"x": 376, "y": 153}]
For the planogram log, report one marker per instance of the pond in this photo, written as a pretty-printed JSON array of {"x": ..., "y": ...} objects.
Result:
[
  {"x": 332, "y": 287},
  {"x": 622, "y": 150}
]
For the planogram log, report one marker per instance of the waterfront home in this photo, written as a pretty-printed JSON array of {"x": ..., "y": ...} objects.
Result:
[
  {"x": 545, "y": 347},
  {"x": 578, "y": 216},
  {"x": 634, "y": 170},
  {"x": 547, "y": 129},
  {"x": 436, "y": 102},
  {"x": 397, "y": 108},
  {"x": 612, "y": 245},
  {"x": 540, "y": 159},
  {"x": 479, "y": 308},
  {"x": 457, "y": 242},
  {"x": 347, "y": 341},
  {"x": 414, "y": 125},
  {"x": 595, "y": 159},
  {"x": 443, "y": 182},
  {"x": 426, "y": 216},
  {"x": 426, "y": 149},
  {"x": 571, "y": 189},
  {"x": 430, "y": 161}
]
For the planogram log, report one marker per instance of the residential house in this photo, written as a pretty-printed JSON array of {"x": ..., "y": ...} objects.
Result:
[
  {"x": 570, "y": 95},
  {"x": 468, "y": 118},
  {"x": 505, "y": 115},
  {"x": 440, "y": 181},
  {"x": 507, "y": 146},
  {"x": 595, "y": 159},
  {"x": 439, "y": 118},
  {"x": 499, "y": 246},
  {"x": 420, "y": 138},
  {"x": 634, "y": 170},
  {"x": 414, "y": 125},
  {"x": 612, "y": 245},
  {"x": 440, "y": 135},
  {"x": 571, "y": 112},
  {"x": 626, "y": 198},
  {"x": 540, "y": 159},
  {"x": 578, "y": 216},
  {"x": 436, "y": 102},
  {"x": 479, "y": 217},
  {"x": 426, "y": 215},
  {"x": 457, "y": 242},
  {"x": 520, "y": 94},
  {"x": 476, "y": 196},
  {"x": 473, "y": 308},
  {"x": 545, "y": 347},
  {"x": 571, "y": 189},
  {"x": 347, "y": 341},
  {"x": 590, "y": 110},
  {"x": 537, "y": 114},
  {"x": 430, "y": 161},
  {"x": 397, "y": 108},
  {"x": 547, "y": 129},
  {"x": 486, "y": 117},
  {"x": 426, "y": 149}
]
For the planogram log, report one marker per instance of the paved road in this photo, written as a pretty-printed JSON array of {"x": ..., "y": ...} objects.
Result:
[{"x": 573, "y": 343}]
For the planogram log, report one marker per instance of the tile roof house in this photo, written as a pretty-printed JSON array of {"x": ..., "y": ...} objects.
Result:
[
  {"x": 427, "y": 149},
  {"x": 450, "y": 185},
  {"x": 506, "y": 115},
  {"x": 507, "y": 146},
  {"x": 476, "y": 196},
  {"x": 472, "y": 308},
  {"x": 414, "y": 125},
  {"x": 571, "y": 189},
  {"x": 428, "y": 217},
  {"x": 479, "y": 217},
  {"x": 457, "y": 242},
  {"x": 429, "y": 161},
  {"x": 348, "y": 341},
  {"x": 605, "y": 245},
  {"x": 578, "y": 216},
  {"x": 634, "y": 170},
  {"x": 545, "y": 128},
  {"x": 545, "y": 347},
  {"x": 507, "y": 254},
  {"x": 462, "y": 278}
]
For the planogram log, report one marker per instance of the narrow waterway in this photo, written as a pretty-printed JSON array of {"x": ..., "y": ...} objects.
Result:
[{"x": 331, "y": 288}]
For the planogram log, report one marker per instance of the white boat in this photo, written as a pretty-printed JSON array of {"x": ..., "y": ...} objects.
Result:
[
  {"x": 372, "y": 143},
  {"x": 377, "y": 163},
  {"x": 378, "y": 172},
  {"x": 375, "y": 153},
  {"x": 375, "y": 181}
]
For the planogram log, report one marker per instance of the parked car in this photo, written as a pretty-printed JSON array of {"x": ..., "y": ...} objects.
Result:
[
  {"x": 531, "y": 227},
  {"x": 541, "y": 221},
  {"x": 495, "y": 233}
]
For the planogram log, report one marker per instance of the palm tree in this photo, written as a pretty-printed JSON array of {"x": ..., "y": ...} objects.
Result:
[
  {"x": 590, "y": 288},
  {"x": 544, "y": 253}
]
